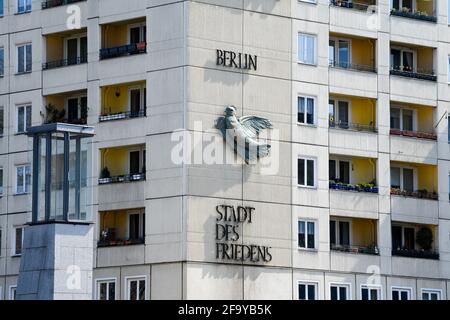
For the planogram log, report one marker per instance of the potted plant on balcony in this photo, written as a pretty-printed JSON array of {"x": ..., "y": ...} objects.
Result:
[
  {"x": 53, "y": 114},
  {"x": 424, "y": 238},
  {"x": 105, "y": 176},
  {"x": 333, "y": 184}
]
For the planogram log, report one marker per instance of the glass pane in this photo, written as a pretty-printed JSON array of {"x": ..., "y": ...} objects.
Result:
[
  {"x": 344, "y": 54},
  {"x": 302, "y": 292},
  {"x": 112, "y": 291},
  {"x": 332, "y": 232},
  {"x": 72, "y": 51},
  {"x": 408, "y": 179},
  {"x": 343, "y": 113},
  {"x": 332, "y": 170},
  {"x": 103, "y": 291},
  {"x": 28, "y": 57},
  {"x": 301, "y": 172},
  {"x": 395, "y": 178},
  {"x": 83, "y": 49},
  {"x": 344, "y": 233},
  {"x": 135, "y": 100},
  {"x": 404, "y": 295},
  {"x": 395, "y": 59},
  {"x": 396, "y": 237},
  {"x": 72, "y": 109},
  {"x": 365, "y": 294},
  {"x": 301, "y": 234},
  {"x": 408, "y": 61},
  {"x": 310, "y": 49},
  {"x": 20, "y": 180},
  {"x": 395, "y": 295},
  {"x": 342, "y": 293},
  {"x": 373, "y": 294},
  {"x": 344, "y": 171},
  {"x": 141, "y": 290},
  {"x": 301, "y": 110},
  {"x": 134, "y": 227},
  {"x": 21, "y": 59},
  {"x": 407, "y": 4},
  {"x": 395, "y": 118},
  {"x": 310, "y": 173},
  {"x": 57, "y": 177},
  {"x": 311, "y": 235},
  {"x": 311, "y": 292},
  {"x": 28, "y": 117},
  {"x": 331, "y": 52},
  {"x": 2, "y": 61},
  {"x": 408, "y": 120},
  {"x": 310, "y": 111},
  {"x": 135, "y": 162},
  {"x": 331, "y": 112},
  {"x": 133, "y": 290},
  {"x": 396, "y": 4},
  {"x": 409, "y": 236},
  {"x": 18, "y": 241},
  {"x": 334, "y": 293},
  {"x": 135, "y": 35},
  {"x": 21, "y": 119}
]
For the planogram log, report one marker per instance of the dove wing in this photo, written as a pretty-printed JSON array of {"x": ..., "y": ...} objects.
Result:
[
  {"x": 221, "y": 125},
  {"x": 252, "y": 125}
]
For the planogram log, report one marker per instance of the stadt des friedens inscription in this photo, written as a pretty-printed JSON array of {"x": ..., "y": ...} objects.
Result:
[
  {"x": 235, "y": 60},
  {"x": 229, "y": 225}
]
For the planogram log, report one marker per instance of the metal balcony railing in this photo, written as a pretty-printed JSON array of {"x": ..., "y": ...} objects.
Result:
[
  {"x": 414, "y": 14},
  {"x": 362, "y": 187},
  {"x": 352, "y": 5},
  {"x": 122, "y": 179},
  {"x": 125, "y": 50},
  {"x": 352, "y": 126},
  {"x": 122, "y": 115},
  {"x": 64, "y": 63},
  {"x": 415, "y": 74},
  {"x": 421, "y": 254},
  {"x": 414, "y": 134},
  {"x": 419, "y": 194},
  {"x": 355, "y": 249},
  {"x": 119, "y": 242},
  {"x": 56, "y": 3},
  {"x": 351, "y": 66}
]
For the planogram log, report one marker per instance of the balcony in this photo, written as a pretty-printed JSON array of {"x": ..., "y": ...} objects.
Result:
[
  {"x": 57, "y": 3},
  {"x": 423, "y": 74},
  {"x": 353, "y": 235},
  {"x": 121, "y": 228},
  {"x": 70, "y": 107},
  {"x": 423, "y": 10},
  {"x": 350, "y": 66},
  {"x": 414, "y": 134},
  {"x": 125, "y": 50},
  {"x": 122, "y": 178},
  {"x": 349, "y": 4},
  {"x": 64, "y": 63},
  {"x": 124, "y": 101},
  {"x": 415, "y": 62},
  {"x": 414, "y": 241}
]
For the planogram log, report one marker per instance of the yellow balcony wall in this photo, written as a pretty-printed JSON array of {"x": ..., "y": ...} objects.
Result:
[
  {"x": 364, "y": 232},
  {"x": 115, "y": 159},
  {"x": 116, "y": 34},
  {"x": 362, "y": 111},
  {"x": 363, "y": 170},
  {"x": 425, "y": 6},
  {"x": 55, "y": 48},
  {"x": 425, "y": 175},
  {"x": 363, "y": 52},
  {"x": 114, "y": 220},
  {"x": 116, "y": 99},
  {"x": 425, "y": 59}
]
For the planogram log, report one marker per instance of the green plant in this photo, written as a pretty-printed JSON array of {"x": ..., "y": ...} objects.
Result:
[
  {"x": 424, "y": 238},
  {"x": 54, "y": 114},
  {"x": 105, "y": 174}
]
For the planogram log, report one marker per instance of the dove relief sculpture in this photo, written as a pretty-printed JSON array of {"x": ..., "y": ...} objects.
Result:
[{"x": 242, "y": 134}]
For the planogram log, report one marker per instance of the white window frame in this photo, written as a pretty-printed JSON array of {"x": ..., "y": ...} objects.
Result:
[
  {"x": 12, "y": 289},
  {"x": 78, "y": 97},
  {"x": 314, "y": 36},
  {"x": 336, "y": 109},
  {"x": 306, "y": 158},
  {"x": 25, "y": 2},
  {"x": 141, "y": 150},
  {"x": 415, "y": 176},
  {"x": 306, "y": 97},
  {"x": 337, "y": 160},
  {"x": 127, "y": 281},
  {"x": 348, "y": 285},
  {"x": 400, "y": 3},
  {"x": 143, "y": 91},
  {"x": 336, "y": 49},
  {"x": 141, "y": 213},
  {"x": 25, "y": 191},
  {"x": 99, "y": 281},
  {"x": 13, "y": 240},
  {"x": 401, "y": 108},
  {"x": 25, "y": 124},
  {"x": 78, "y": 37},
  {"x": 431, "y": 291},
  {"x": 409, "y": 290},
  {"x": 337, "y": 230},
  {"x": 402, "y": 50},
  {"x": 308, "y": 283},
  {"x": 139, "y": 25},
  {"x": 316, "y": 238},
  {"x": 24, "y": 57},
  {"x": 372, "y": 287}
]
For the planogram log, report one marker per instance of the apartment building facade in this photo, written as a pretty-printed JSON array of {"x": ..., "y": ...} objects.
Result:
[{"x": 358, "y": 93}]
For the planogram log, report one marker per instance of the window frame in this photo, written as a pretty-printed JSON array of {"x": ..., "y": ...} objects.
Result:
[
  {"x": 338, "y": 231},
  {"x": 26, "y": 190},
  {"x": 13, "y": 240},
  {"x": 306, "y": 97},
  {"x": 143, "y": 91},
  {"x": 316, "y": 229},
  {"x": 371, "y": 287},
  {"x": 2, "y": 173},
  {"x": 2, "y": 61},
  {"x": 308, "y": 283},
  {"x": 401, "y": 108},
  {"x": 314, "y": 36},
  {"x": 347, "y": 285},
  {"x": 127, "y": 281},
  {"x": 25, "y": 56},
  {"x": 337, "y": 162},
  {"x": 78, "y": 38},
  {"x": 402, "y": 50},
  {"x": 27, "y": 5},
  {"x": 315, "y": 163},
  {"x": 141, "y": 213},
  {"x": 26, "y": 106},
  {"x": 336, "y": 111},
  {"x": 99, "y": 281},
  {"x": 336, "y": 50},
  {"x": 415, "y": 176},
  {"x": 12, "y": 288},
  {"x": 409, "y": 290},
  {"x": 142, "y": 26},
  {"x": 430, "y": 291}
]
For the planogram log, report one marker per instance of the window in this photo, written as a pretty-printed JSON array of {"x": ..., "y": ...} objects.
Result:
[
  {"x": 403, "y": 178},
  {"x": 339, "y": 171},
  {"x": 106, "y": 289},
  {"x": 339, "y": 292},
  {"x": 339, "y": 52},
  {"x": 23, "y": 6},
  {"x": 306, "y": 48},
  {"x": 137, "y": 33},
  {"x": 339, "y": 113},
  {"x": 307, "y": 291},
  {"x": 449, "y": 187},
  {"x": 137, "y": 100},
  {"x": 1, "y": 243},
  {"x": 340, "y": 233},
  {"x": 23, "y": 118},
  {"x": 23, "y": 179},
  {"x": 403, "y": 119},
  {"x": 403, "y": 59},
  {"x": 2, "y": 113},
  {"x": 1, "y": 181},
  {"x": 76, "y": 109},
  {"x": 306, "y": 172},
  {"x": 430, "y": 294},
  {"x": 1, "y": 8},
  {"x": 401, "y": 293},
  {"x": 400, "y": 4},
  {"x": 24, "y": 59},
  {"x": 76, "y": 49},
  {"x": 306, "y": 234},
  {"x": 136, "y": 225},
  {"x": 2, "y": 61},
  {"x": 17, "y": 241},
  {"x": 448, "y": 65},
  {"x": 305, "y": 110},
  {"x": 403, "y": 237},
  {"x": 370, "y": 292},
  {"x": 136, "y": 288},
  {"x": 12, "y": 292}
]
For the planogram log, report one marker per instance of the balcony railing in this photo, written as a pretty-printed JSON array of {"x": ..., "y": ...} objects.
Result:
[
  {"x": 421, "y": 254},
  {"x": 122, "y": 178},
  {"x": 414, "y": 134},
  {"x": 126, "y": 50},
  {"x": 362, "y": 187},
  {"x": 57, "y": 3},
  {"x": 373, "y": 249},
  {"x": 122, "y": 115},
  {"x": 352, "y": 5},
  {"x": 351, "y": 66},
  {"x": 419, "y": 194},
  {"x": 414, "y": 14},
  {"x": 63, "y": 63},
  {"x": 352, "y": 126},
  {"x": 119, "y": 242},
  {"x": 419, "y": 74}
]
